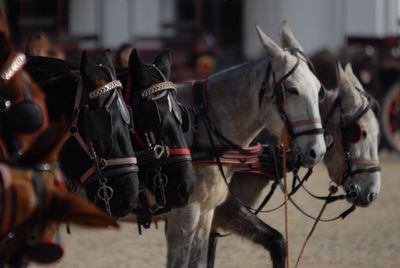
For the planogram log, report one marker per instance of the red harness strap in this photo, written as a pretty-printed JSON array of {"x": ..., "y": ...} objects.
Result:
[
  {"x": 236, "y": 157},
  {"x": 179, "y": 151}
]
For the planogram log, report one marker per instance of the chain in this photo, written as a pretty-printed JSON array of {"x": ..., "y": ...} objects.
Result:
[
  {"x": 160, "y": 181},
  {"x": 105, "y": 193}
]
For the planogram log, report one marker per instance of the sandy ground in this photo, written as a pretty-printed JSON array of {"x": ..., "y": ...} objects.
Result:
[{"x": 370, "y": 237}]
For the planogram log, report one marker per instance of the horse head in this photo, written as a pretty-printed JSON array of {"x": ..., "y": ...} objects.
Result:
[
  {"x": 36, "y": 201},
  {"x": 296, "y": 92},
  {"x": 165, "y": 162},
  {"x": 100, "y": 130},
  {"x": 352, "y": 139}
]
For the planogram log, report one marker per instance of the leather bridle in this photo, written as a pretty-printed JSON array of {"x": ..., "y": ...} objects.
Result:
[
  {"x": 154, "y": 154},
  {"x": 347, "y": 168},
  {"x": 102, "y": 168},
  {"x": 279, "y": 94}
]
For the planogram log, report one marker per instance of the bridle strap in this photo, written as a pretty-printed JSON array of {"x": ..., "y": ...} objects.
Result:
[
  {"x": 106, "y": 163},
  {"x": 7, "y": 200},
  {"x": 104, "y": 89},
  {"x": 16, "y": 63},
  {"x": 158, "y": 88},
  {"x": 73, "y": 131}
]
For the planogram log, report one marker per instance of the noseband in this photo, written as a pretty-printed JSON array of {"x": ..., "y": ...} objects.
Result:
[
  {"x": 102, "y": 168},
  {"x": 154, "y": 155},
  {"x": 350, "y": 127}
]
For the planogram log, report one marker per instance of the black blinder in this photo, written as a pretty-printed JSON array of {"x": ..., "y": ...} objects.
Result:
[
  {"x": 186, "y": 123},
  {"x": 175, "y": 108},
  {"x": 151, "y": 114},
  {"x": 25, "y": 117},
  {"x": 97, "y": 123},
  {"x": 123, "y": 109},
  {"x": 352, "y": 132}
]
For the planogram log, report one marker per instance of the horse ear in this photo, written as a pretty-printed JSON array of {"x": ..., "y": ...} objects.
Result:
[
  {"x": 105, "y": 59},
  {"x": 345, "y": 88},
  {"x": 66, "y": 207},
  {"x": 273, "y": 50},
  {"x": 352, "y": 77},
  {"x": 287, "y": 37},
  {"x": 136, "y": 66},
  {"x": 163, "y": 62},
  {"x": 46, "y": 146}
]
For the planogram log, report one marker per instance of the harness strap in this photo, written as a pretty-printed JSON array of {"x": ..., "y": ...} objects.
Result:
[{"x": 108, "y": 163}]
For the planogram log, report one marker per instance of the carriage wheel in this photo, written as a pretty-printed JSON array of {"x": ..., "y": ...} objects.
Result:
[{"x": 390, "y": 117}]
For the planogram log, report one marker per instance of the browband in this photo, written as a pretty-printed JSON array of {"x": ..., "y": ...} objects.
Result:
[
  {"x": 159, "y": 87},
  {"x": 15, "y": 66},
  {"x": 106, "y": 88}
]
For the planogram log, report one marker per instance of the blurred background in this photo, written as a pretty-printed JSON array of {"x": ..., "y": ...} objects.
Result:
[{"x": 208, "y": 35}]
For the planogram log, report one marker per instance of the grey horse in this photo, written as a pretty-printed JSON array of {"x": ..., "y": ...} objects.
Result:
[
  {"x": 240, "y": 102},
  {"x": 362, "y": 182}
]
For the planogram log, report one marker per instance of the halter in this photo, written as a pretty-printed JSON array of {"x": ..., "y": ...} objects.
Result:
[
  {"x": 346, "y": 169},
  {"x": 100, "y": 170},
  {"x": 154, "y": 154},
  {"x": 279, "y": 90}
]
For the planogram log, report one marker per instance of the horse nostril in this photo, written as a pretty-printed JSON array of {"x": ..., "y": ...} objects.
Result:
[
  {"x": 371, "y": 197},
  {"x": 312, "y": 154}
]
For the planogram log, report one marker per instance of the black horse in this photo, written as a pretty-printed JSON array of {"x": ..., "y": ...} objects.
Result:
[
  {"x": 97, "y": 152},
  {"x": 168, "y": 172}
]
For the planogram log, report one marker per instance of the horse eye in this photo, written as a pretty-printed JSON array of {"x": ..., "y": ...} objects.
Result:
[
  {"x": 364, "y": 134},
  {"x": 293, "y": 90},
  {"x": 321, "y": 93}
]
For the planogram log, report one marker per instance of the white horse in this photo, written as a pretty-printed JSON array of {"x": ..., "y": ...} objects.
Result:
[
  {"x": 240, "y": 102},
  {"x": 352, "y": 124}
]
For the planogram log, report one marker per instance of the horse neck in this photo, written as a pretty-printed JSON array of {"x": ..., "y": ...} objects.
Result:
[
  {"x": 233, "y": 101},
  {"x": 327, "y": 104}
]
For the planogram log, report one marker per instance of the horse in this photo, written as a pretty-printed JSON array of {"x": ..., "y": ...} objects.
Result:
[
  {"x": 169, "y": 176},
  {"x": 351, "y": 159},
  {"x": 97, "y": 151},
  {"x": 157, "y": 135},
  {"x": 23, "y": 113},
  {"x": 227, "y": 112},
  {"x": 35, "y": 202}
]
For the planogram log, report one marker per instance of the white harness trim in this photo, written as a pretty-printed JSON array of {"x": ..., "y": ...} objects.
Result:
[
  {"x": 159, "y": 87},
  {"x": 106, "y": 88},
  {"x": 15, "y": 66}
]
